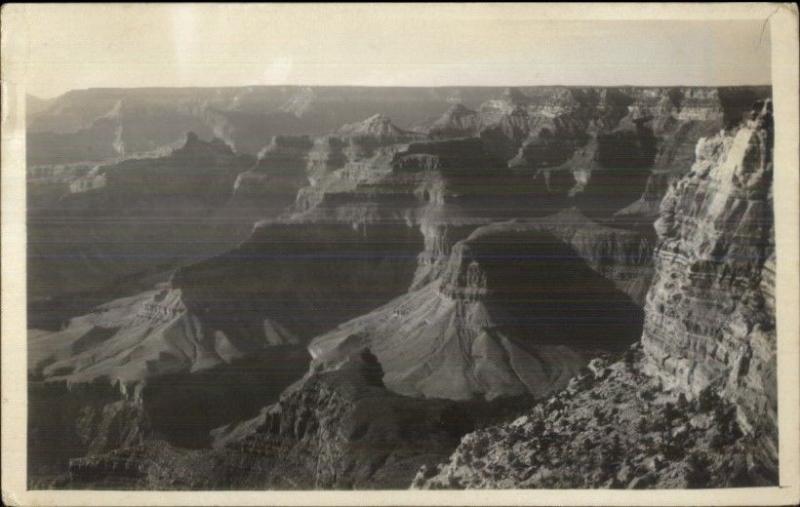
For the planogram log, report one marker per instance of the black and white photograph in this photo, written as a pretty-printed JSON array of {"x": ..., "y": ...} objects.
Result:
[{"x": 282, "y": 248}]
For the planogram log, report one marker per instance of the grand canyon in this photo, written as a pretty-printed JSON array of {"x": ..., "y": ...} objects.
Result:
[{"x": 289, "y": 287}]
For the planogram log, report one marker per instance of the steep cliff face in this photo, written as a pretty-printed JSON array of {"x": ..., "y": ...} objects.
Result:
[
  {"x": 710, "y": 311},
  {"x": 584, "y": 142},
  {"x": 693, "y": 404},
  {"x": 485, "y": 258}
]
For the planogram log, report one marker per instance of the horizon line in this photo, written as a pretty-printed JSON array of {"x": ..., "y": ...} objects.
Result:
[{"x": 211, "y": 87}]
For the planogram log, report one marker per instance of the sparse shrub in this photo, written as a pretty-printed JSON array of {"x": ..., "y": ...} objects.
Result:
[
  {"x": 481, "y": 446},
  {"x": 672, "y": 450},
  {"x": 723, "y": 414},
  {"x": 738, "y": 475},
  {"x": 647, "y": 394},
  {"x": 608, "y": 466},
  {"x": 668, "y": 412},
  {"x": 516, "y": 463},
  {"x": 648, "y": 444},
  {"x": 600, "y": 416},
  {"x": 707, "y": 400},
  {"x": 727, "y": 429},
  {"x": 517, "y": 434},
  {"x": 724, "y": 437},
  {"x": 698, "y": 475},
  {"x": 718, "y": 441},
  {"x": 659, "y": 425},
  {"x": 544, "y": 444}
]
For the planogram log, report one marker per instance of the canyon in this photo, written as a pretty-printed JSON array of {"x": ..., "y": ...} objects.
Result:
[{"x": 292, "y": 288}]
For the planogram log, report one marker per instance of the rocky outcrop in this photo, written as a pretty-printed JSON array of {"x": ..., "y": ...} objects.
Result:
[
  {"x": 583, "y": 141},
  {"x": 487, "y": 326},
  {"x": 693, "y": 404},
  {"x": 506, "y": 132},
  {"x": 457, "y": 121},
  {"x": 359, "y": 246},
  {"x": 377, "y": 202},
  {"x": 279, "y": 173},
  {"x": 342, "y": 429},
  {"x": 326, "y": 156},
  {"x": 338, "y": 429},
  {"x": 93, "y": 124},
  {"x": 431, "y": 279},
  {"x": 366, "y": 137},
  {"x": 619, "y": 429},
  {"x": 710, "y": 311},
  {"x": 378, "y": 128}
]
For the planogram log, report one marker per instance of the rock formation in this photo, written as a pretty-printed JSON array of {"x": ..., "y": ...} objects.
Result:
[
  {"x": 442, "y": 277},
  {"x": 279, "y": 172},
  {"x": 457, "y": 121},
  {"x": 705, "y": 366},
  {"x": 96, "y": 231},
  {"x": 710, "y": 311},
  {"x": 494, "y": 323},
  {"x": 613, "y": 427}
]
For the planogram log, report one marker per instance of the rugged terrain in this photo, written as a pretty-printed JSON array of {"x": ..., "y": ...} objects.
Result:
[
  {"x": 694, "y": 404},
  {"x": 445, "y": 271},
  {"x": 614, "y": 426}
]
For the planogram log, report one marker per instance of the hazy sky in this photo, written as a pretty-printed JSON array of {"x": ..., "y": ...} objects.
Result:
[{"x": 82, "y": 46}]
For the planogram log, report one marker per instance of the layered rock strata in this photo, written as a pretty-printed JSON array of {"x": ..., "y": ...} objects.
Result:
[
  {"x": 710, "y": 311},
  {"x": 420, "y": 265},
  {"x": 705, "y": 367},
  {"x": 503, "y": 318},
  {"x": 338, "y": 429},
  {"x": 134, "y": 218}
]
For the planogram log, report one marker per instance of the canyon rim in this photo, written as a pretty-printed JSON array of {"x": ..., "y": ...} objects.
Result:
[{"x": 472, "y": 279}]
